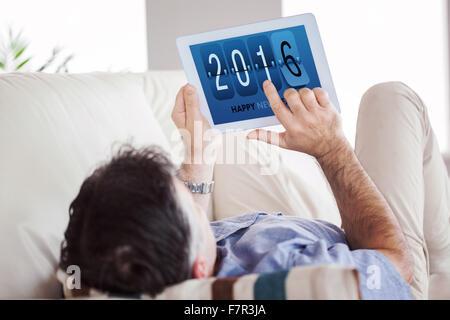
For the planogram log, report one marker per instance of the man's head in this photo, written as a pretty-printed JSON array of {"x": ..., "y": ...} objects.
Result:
[{"x": 134, "y": 227}]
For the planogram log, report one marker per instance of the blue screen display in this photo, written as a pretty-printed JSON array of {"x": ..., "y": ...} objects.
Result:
[{"x": 232, "y": 71}]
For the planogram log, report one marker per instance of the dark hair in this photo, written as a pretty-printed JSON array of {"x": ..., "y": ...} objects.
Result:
[{"x": 127, "y": 231}]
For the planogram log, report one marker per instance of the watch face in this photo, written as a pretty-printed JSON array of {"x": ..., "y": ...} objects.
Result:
[{"x": 232, "y": 71}]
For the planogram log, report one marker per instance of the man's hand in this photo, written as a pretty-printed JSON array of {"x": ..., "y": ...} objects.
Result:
[
  {"x": 195, "y": 130},
  {"x": 312, "y": 123}
]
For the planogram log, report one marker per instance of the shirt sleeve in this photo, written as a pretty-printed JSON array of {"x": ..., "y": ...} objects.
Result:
[{"x": 378, "y": 278}]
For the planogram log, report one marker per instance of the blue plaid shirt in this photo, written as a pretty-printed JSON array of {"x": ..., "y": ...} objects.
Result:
[{"x": 261, "y": 243}]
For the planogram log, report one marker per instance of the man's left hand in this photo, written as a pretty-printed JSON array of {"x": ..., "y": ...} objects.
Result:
[{"x": 199, "y": 140}]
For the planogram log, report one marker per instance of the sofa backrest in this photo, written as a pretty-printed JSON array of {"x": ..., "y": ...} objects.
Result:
[{"x": 54, "y": 131}]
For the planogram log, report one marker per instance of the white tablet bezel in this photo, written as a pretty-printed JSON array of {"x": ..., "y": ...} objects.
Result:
[{"x": 308, "y": 20}]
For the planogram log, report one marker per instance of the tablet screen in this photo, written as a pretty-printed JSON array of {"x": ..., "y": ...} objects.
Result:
[{"x": 233, "y": 70}]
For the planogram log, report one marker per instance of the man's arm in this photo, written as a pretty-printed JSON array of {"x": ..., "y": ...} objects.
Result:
[
  {"x": 367, "y": 219},
  {"x": 313, "y": 126},
  {"x": 199, "y": 141}
]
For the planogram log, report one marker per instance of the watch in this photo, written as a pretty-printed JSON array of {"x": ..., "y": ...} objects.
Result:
[{"x": 200, "y": 188}]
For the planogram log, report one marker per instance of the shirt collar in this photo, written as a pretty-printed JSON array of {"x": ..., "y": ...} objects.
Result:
[{"x": 224, "y": 228}]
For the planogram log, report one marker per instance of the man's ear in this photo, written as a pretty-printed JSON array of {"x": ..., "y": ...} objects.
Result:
[{"x": 200, "y": 268}]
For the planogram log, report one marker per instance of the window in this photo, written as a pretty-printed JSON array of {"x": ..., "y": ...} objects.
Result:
[
  {"x": 374, "y": 41},
  {"x": 103, "y": 35}
]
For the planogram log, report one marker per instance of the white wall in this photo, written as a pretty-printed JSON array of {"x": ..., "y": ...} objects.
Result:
[
  {"x": 104, "y": 35},
  {"x": 370, "y": 41},
  {"x": 169, "y": 19},
  {"x": 367, "y": 41}
]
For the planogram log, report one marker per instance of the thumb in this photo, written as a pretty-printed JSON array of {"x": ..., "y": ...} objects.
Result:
[
  {"x": 269, "y": 137},
  {"x": 179, "y": 110},
  {"x": 191, "y": 100}
]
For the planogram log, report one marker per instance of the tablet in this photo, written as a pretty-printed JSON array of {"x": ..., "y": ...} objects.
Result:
[{"x": 228, "y": 68}]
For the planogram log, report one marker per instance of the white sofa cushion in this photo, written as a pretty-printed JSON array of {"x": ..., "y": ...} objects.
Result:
[
  {"x": 161, "y": 88},
  {"x": 54, "y": 130}
]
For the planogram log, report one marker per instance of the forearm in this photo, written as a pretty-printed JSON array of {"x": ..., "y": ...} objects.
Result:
[
  {"x": 366, "y": 216},
  {"x": 198, "y": 173},
  {"x": 367, "y": 219}
]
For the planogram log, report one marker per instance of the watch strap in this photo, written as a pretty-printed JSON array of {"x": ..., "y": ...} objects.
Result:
[{"x": 200, "y": 188}]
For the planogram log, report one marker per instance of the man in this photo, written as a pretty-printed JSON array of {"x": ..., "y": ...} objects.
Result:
[{"x": 135, "y": 227}]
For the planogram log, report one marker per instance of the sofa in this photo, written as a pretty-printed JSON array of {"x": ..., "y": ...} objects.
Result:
[{"x": 56, "y": 129}]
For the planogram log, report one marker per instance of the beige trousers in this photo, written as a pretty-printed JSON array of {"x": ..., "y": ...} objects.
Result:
[{"x": 397, "y": 147}]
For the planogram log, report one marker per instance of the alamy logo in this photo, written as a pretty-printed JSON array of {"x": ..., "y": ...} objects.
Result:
[
  {"x": 74, "y": 280},
  {"x": 373, "y": 281}
]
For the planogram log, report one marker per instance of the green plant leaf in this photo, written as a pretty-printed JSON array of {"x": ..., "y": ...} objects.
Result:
[
  {"x": 2, "y": 65},
  {"x": 23, "y": 63},
  {"x": 20, "y": 52}
]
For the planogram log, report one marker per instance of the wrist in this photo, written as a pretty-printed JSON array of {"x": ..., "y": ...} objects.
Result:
[
  {"x": 340, "y": 153},
  {"x": 200, "y": 157},
  {"x": 201, "y": 153},
  {"x": 197, "y": 173}
]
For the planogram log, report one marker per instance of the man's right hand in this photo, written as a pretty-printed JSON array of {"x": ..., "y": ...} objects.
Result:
[{"x": 312, "y": 123}]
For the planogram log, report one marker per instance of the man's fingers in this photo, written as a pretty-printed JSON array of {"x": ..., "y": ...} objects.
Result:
[
  {"x": 269, "y": 137},
  {"x": 179, "y": 109},
  {"x": 309, "y": 99},
  {"x": 322, "y": 97},
  {"x": 191, "y": 102},
  {"x": 179, "y": 102},
  {"x": 293, "y": 100},
  {"x": 283, "y": 114}
]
